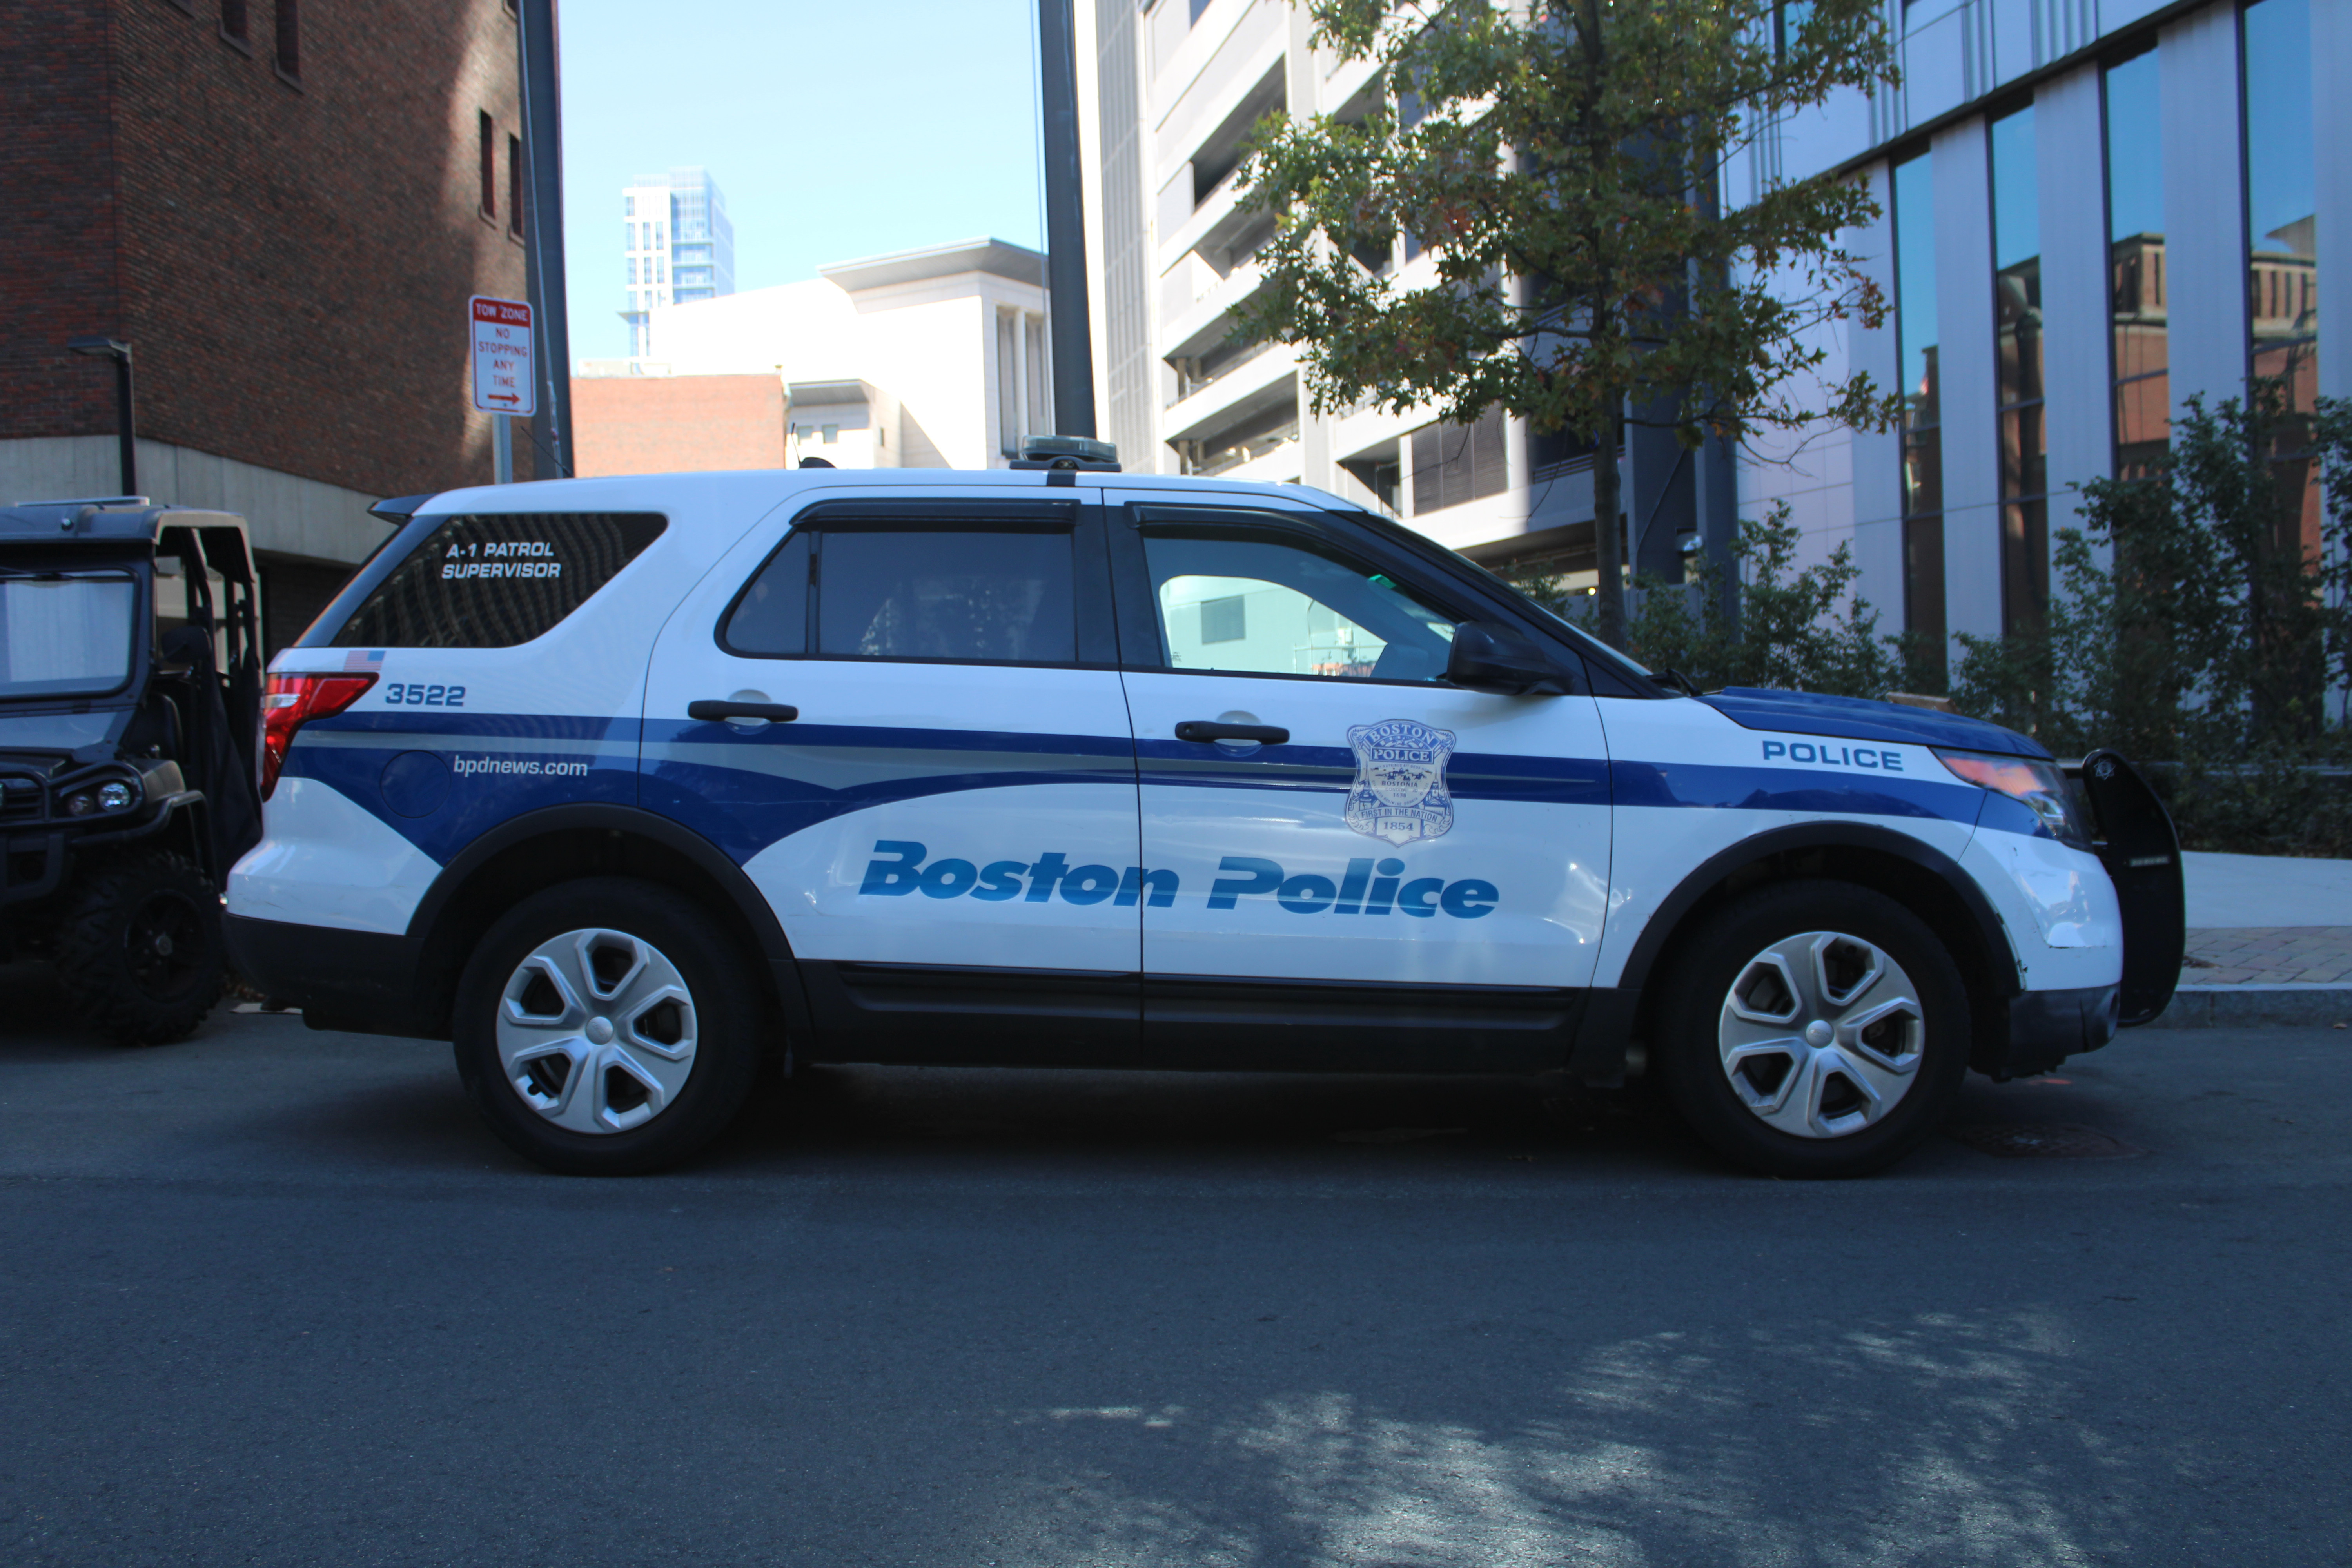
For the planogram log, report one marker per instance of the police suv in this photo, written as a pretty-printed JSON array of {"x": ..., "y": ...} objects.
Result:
[{"x": 624, "y": 785}]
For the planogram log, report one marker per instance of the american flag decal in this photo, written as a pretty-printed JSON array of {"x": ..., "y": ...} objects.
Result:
[{"x": 363, "y": 661}]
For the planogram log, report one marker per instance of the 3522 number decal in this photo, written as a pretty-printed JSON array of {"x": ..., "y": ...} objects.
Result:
[{"x": 398, "y": 695}]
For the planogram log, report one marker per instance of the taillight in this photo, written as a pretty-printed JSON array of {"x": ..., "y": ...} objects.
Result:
[{"x": 293, "y": 701}]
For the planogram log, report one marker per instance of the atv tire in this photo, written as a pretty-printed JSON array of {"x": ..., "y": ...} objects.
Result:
[{"x": 139, "y": 949}]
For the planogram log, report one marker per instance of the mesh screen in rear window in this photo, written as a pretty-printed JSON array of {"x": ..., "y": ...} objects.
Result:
[{"x": 496, "y": 580}]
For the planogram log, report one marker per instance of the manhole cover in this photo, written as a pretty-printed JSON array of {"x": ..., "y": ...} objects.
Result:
[{"x": 2045, "y": 1141}]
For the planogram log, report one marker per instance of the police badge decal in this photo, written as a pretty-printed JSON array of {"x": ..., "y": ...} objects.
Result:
[{"x": 1400, "y": 791}]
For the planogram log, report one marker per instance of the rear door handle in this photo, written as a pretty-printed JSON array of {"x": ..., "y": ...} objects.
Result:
[
  {"x": 1207, "y": 730},
  {"x": 713, "y": 709}
]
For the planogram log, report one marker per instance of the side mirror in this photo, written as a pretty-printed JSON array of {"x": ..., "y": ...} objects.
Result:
[{"x": 1491, "y": 657}]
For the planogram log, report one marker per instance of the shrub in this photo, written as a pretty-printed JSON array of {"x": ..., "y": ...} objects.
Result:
[{"x": 2203, "y": 618}]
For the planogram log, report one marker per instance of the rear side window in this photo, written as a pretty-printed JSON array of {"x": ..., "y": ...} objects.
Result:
[
  {"x": 496, "y": 580},
  {"x": 979, "y": 594}
]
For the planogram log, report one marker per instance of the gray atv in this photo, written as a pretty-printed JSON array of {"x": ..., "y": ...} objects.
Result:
[{"x": 129, "y": 718}]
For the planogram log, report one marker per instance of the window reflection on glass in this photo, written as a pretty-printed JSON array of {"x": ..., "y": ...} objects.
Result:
[
  {"x": 1923, "y": 438},
  {"x": 65, "y": 636},
  {"x": 1266, "y": 606},
  {"x": 947, "y": 594},
  {"x": 2282, "y": 244},
  {"x": 2143, "y": 409},
  {"x": 2017, "y": 329}
]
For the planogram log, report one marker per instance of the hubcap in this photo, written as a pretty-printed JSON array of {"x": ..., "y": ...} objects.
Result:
[
  {"x": 596, "y": 1031},
  {"x": 163, "y": 943},
  {"x": 1821, "y": 1035}
]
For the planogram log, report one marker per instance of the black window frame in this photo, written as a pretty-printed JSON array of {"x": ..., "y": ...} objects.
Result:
[{"x": 1097, "y": 639}]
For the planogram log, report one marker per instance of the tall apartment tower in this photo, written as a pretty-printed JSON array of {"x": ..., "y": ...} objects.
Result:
[
  {"x": 679, "y": 245},
  {"x": 2087, "y": 216}
]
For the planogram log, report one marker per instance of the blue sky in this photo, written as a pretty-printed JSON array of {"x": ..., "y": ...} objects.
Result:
[{"x": 834, "y": 131}]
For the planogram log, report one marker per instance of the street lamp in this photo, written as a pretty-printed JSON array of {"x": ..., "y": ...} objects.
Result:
[{"x": 117, "y": 349}]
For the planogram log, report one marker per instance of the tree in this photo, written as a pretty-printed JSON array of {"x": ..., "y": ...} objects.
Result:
[{"x": 1560, "y": 160}]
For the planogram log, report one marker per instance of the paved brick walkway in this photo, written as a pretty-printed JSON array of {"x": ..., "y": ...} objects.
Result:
[{"x": 2268, "y": 955}]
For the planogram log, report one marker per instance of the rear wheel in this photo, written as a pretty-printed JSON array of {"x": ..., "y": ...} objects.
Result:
[
  {"x": 1813, "y": 1029},
  {"x": 140, "y": 947},
  {"x": 608, "y": 1027}
]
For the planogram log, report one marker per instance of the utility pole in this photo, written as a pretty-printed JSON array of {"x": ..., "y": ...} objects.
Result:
[
  {"x": 543, "y": 143},
  {"x": 1065, "y": 227},
  {"x": 126, "y": 428}
]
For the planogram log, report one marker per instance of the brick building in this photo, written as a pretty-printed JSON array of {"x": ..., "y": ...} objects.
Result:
[
  {"x": 686, "y": 424},
  {"x": 283, "y": 207}
]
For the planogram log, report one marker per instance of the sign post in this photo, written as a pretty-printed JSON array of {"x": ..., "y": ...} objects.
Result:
[{"x": 504, "y": 385}]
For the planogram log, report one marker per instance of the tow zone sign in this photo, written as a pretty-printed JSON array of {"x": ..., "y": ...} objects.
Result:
[{"x": 503, "y": 383}]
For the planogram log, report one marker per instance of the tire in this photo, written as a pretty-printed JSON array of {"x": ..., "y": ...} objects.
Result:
[
  {"x": 140, "y": 947},
  {"x": 609, "y": 1027},
  {"x": 1797, "y": 1046}
]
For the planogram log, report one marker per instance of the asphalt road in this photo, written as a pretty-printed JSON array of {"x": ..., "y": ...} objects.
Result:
[{"x": 273, "y": 1297}]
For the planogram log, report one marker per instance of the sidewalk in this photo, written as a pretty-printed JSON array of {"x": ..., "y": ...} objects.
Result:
[{"x": 2270, "y": 941}]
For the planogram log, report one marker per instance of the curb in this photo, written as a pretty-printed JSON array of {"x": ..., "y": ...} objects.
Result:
[{"x": 2242, "y": 1006}]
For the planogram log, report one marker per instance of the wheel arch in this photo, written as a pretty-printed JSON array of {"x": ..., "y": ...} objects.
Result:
[
  {"x": 1916, "y": 874},
  {"x": 559, "y": 844}
]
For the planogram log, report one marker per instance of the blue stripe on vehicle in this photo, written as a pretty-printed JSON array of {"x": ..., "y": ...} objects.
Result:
[
  {"x": 689, "y": 771},
  {"x": 798, "y": 735},
  {"x": 1473, "y": 775},
  {"x": 744, "y": 812},
  {"x": 741, "y": 790},
  {"x": 1810, "y": 791},
  {"x": 352, "y": 762},
  {"x": 457, "y": 722}
]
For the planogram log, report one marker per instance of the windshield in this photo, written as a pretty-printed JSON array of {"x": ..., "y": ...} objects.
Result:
[{"x": 67, "y": 635}]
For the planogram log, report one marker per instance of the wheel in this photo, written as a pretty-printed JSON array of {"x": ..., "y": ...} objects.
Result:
[
  {"x": 1797, "y": 1046},
  {"x": 140, "y": 948},
  {"x": 608, "y": 1027}
]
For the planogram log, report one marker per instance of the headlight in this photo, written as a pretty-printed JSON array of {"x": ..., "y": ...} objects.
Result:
[
  {"x": 81, "y": 803},
  {"x": 2040, "y": 786},
  {"x": 113, "y": 796}
]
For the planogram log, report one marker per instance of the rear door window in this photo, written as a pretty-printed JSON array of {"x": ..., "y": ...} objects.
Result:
[
  {"x": 976, "y": 595},
  {"x": 498, "y": 580}
]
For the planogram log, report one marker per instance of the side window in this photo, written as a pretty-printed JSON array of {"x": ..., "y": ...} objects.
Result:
[
  {"x": 484, "y": 579},
  {"x": 994, "y": 594},
  {"x": 771, "y": 617},
  {"x": 1265, "y": 603}
]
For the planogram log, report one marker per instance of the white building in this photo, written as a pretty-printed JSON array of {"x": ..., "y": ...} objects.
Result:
[
  {"x": 678, "y": 245},
  {"x": 933, "y": 358},
  {"x": 2093, "y": 209}
]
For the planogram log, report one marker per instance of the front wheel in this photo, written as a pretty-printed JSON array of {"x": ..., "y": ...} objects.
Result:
[
  {"x": 140, "y": 947},
  {"x": 1813, "y": 1029},
  {"x": 608, "y": 1027}
]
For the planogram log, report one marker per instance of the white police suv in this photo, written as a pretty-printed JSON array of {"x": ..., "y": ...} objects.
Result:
[{"x": 625, "y": 784}]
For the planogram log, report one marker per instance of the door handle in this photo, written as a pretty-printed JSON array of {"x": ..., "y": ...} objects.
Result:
[
  {"x": 713, "y": 709},
  {"x": 1208, "y": 730}
]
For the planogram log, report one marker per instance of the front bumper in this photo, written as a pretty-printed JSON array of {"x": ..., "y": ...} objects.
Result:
[{"x": 2044, "y": 1027}]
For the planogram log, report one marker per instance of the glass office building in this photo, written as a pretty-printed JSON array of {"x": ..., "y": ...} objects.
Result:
[{"x": 2090, "y": 210}]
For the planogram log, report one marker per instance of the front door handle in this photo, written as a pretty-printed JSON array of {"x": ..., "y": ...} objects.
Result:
[
  {"x": 711, "y": 710},
  {"x": 1208, "y": 730}
]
